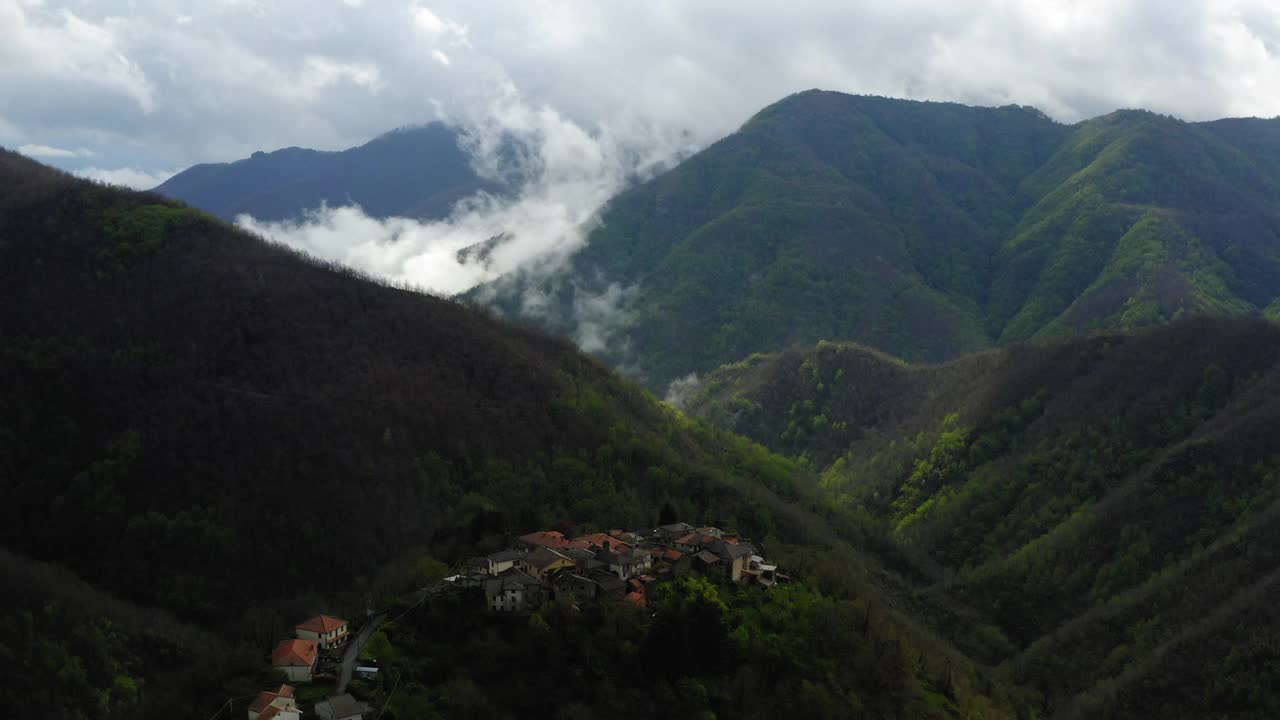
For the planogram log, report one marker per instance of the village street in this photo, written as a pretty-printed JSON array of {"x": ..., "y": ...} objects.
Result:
[{"x": 353, "y": 650}]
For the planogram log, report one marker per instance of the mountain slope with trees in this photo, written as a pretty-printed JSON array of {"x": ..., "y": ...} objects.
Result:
[
  {"x": 926, "y": 230},
  {"x": 1095, "y": 516},
  {"x": 221, "y": 435},
  {"x": 417, "y": 172}
]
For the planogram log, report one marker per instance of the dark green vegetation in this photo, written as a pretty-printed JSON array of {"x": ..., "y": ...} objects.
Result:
[
  {"x": 929, "y": 230},
  {"x": 415, "y": 172},
  {"x": 205, "y": 427},
  {"x": 1099, "y": 518},
  {"x": 699, "y": 651}
]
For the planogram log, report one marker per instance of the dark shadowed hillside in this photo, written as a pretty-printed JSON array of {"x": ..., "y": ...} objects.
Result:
[
  {"x": 208, "y": 434},
  {"x": 414, "y": 172},
  {"x": 1097, "y": 517},
  {"x": 928, "y": 230}
]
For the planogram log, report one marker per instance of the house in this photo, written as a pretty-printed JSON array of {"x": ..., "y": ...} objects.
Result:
[
  {"x": 341, "y": 707},
  {"x": 275, "y": 712},
  {"x": 583, "y": 558},
  {"x": 296, "y": 659},
  {"x": 707, "y": 562},
  {"x": 608, "y": 583},
  {"x": 545, "y": 561},
  {"x": 574, "y": 587},
  {"x": 513, "y": 591},
  {"x": 546, "y": 538},
  {"x": 624, "y": 564},
  {"x": 326, "y": 630},
  {"x": 636, "y": 599},
  {"x": 695, "y": 542},
  {"x": 669, "y": 533},
  {"x": 733, "y": 557},
  {"x": 601, "y": 541},
  {"x": 500, "y": 562},
  {"x": 279, "y": 699}
]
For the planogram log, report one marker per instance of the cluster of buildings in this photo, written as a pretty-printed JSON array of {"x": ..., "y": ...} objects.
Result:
[
  {"x": 547, "y": 564},
  {"x": 297, "y": 658}
]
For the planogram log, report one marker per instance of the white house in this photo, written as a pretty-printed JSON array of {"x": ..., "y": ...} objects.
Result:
[
  {"x": 326, "y": 630},
  {"x": 271, "y": 704},
  {"x": 296, "y": 659},
  {"x": 505, "y": 560}
]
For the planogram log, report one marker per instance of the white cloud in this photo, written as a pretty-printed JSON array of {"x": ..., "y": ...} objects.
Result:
[
  {"x": 599, "y": 92},
  {"x": 127, "y": 177},
  {"x": 46, "y": 151}
]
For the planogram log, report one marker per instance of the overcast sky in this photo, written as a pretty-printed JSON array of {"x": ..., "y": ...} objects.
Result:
[
  {"x": 131, "y": 91},
  {"x": 140, "y": 88}
]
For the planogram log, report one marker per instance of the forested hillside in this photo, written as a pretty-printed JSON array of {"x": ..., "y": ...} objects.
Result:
[
  {"x": 1096, "y": 517},
  {"x": 218, "y": 434},
  {"x": 927, "y": 230},
  {"x": 417, "y": 172}
]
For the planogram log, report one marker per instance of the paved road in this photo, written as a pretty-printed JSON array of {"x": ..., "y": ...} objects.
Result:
[{"x": 354, "y": 648}]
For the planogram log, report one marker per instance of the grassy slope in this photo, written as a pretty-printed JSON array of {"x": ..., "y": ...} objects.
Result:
[
  {"x": 203, "y": 423},
  {"x": 928, "y": 230},
  {"x": 1096, "y": 516}
]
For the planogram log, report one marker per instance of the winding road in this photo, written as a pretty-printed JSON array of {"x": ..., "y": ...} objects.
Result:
[{"x": 353, "y": 650}]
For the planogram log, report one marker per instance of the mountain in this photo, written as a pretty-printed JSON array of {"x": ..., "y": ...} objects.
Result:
[
  {"x": 207, "y": 436},
  {"x": 926, "y": 230},
  {"x": 1096, "y": 517},
  {"x": 417, "y": 172}
]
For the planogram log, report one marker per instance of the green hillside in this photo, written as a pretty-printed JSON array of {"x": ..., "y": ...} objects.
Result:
[
  {"x": 1096, "y": 517},
  {"x": 928, "y": 230},
  {"x": 207, "y": 436}
]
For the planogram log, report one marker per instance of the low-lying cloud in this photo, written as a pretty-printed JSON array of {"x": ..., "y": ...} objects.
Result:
[{"x": 562, "y": 174}]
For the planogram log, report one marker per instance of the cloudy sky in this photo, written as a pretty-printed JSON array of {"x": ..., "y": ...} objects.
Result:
[
  {"x": 140, "y": 88},
  {"x": 131, "y": 91}
]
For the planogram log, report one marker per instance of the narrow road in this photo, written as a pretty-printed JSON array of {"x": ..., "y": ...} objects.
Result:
[{"x": 354, "y": 648}]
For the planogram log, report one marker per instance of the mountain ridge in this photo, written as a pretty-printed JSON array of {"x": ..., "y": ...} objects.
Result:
[
  {"x": 927, "y": 230},
  {"x": 418, "y": 172}
]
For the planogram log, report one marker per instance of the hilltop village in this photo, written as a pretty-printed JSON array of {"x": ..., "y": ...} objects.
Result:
[
  {"x": 546, "y": 564},
  {"x": 538, "y": 567}
]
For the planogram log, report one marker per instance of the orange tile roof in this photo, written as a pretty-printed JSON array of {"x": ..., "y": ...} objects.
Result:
[
  {"x": 599, "y": 540},
  {"x": 321, "y": 624},
  {"x": 294, "y": 653},
  {"x": 545, "y": 538},
  {"x": 636, "y": 599},
  {"x": 672, "y": 555},
  {"x": 270, "y": 711},
  {"x": 266, "y": 697}
]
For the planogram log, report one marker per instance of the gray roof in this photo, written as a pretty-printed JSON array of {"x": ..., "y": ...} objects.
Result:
[
  {"x": 677, "y": 528},
  {"x": 708, "y": 557},
  {"x": 543, "y": 557},
  {"x": 340, "y": 706},
  {"x": 578, "y": 555},
  {"x": 736, "y": 551},
  {"x": 506, "y": 556},
  {"x": 510, "y": 579}
]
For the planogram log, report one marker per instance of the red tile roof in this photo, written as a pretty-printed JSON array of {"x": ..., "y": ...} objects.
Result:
[
  {"x": 262, "y": 701},
  {"x": 295, "y": 653},
  {"x": 636, "y": 599},
  {"x": 285, "y": 691},
  {"x": 545, "y": 538},
  {"x": 322, "y": 624},
  {"x": 599, "y": 539},
  {"x": 672, "y": 555}
]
